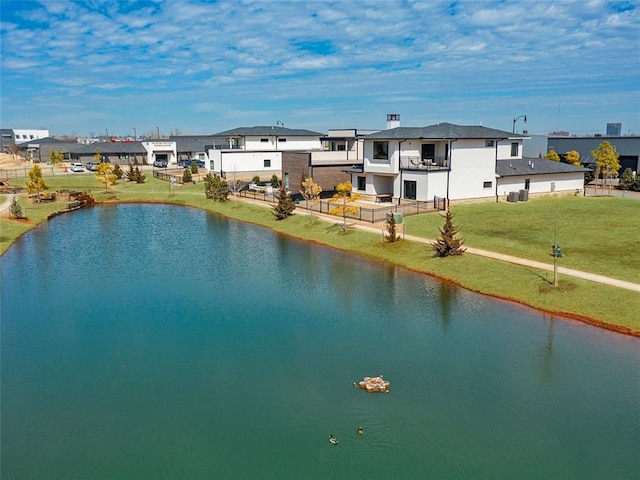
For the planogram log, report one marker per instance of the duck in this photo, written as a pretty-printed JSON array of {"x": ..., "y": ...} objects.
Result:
[{"x": 333, "y": 440}]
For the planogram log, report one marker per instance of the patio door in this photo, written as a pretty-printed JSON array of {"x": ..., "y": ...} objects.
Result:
[
  {"x": 429, "y": 151},
  {"x": 410, "y": 189}
]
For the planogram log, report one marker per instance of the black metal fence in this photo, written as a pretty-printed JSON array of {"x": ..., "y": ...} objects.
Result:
[{"x": 364, "y": 214}]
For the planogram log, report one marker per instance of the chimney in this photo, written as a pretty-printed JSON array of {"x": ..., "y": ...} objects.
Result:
[{"x": 393, "y": 120}]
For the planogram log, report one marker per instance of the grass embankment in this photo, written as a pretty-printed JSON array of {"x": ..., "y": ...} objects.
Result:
[{"x": 584, "y": 229}]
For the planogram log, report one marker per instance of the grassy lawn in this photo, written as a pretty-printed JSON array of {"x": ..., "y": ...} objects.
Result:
[
  {"x": 596, "y": 234},
  {"x": 522, "y": 229}
]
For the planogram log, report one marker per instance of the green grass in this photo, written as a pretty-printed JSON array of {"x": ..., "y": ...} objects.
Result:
[
  {"x": 585, "y": 228},
  {"x": 596, "y": 234}
]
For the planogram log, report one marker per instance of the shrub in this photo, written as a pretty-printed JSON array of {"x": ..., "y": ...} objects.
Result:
[{"x": 186, "y": 175}]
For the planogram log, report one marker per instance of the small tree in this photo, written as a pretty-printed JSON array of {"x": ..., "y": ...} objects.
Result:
[
  {"x": 186, "y": 175},
  {"x": 216, "y": 188},
  {"x": 56, "y": 158},
  {"x": 194, "y": 167},
  {"x": 573, "y": 158},
  {"x": 285, "y": 206},
  {"x": 448, "y": 244},
  {"x": 552, "y": 155},
  {"x": 606, "y": 161},
  {"x": 626, "y": 180},
  {"x": 392, "y": 234},
  {"x": 105, "y": 175},
  {"x": 343, "y": 197},
  {"x": 36, "y": 183},
  {"x": 117, "y": 171},
  {"x": 256, "y": 179},
  {"x": 134, "y": 174},
  {"x": 15, "y": 209},
  {"x": 275, "y": 183},
  {"x": 310, "y": 191}
]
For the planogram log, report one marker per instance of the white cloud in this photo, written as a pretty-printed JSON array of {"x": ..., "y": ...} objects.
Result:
[{"x": 305, "y": 52}]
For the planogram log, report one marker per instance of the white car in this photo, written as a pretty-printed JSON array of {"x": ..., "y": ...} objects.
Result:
[{"x": 77, "y": 167}]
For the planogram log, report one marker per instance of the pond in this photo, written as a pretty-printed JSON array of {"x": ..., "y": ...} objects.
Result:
[{"x": 155, "y": 341}]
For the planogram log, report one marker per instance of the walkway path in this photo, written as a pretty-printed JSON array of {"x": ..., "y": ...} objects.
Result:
[{"x": 506, "y": 258}]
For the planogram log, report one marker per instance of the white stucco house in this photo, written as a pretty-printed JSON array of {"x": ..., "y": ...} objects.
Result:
[
  {"x": 247, "y": 151},
  {"x": 455, "y": 162}
]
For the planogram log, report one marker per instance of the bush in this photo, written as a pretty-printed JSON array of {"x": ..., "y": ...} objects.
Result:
[
  {"x": 186, "y": 175},
  {"x": 275, "y": 183},
  {"x": 256, "y": 180},
  {"x": 194, "y": 167}
]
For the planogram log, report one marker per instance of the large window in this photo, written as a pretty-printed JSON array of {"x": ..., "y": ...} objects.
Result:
[
  {"x": 381, "y": 150},
  {"x": 362, "y": 183},
  {"x": 514, "y": 149}
]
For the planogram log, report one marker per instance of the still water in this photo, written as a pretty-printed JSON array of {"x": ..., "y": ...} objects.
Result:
[{"x": 160, "y": 342}]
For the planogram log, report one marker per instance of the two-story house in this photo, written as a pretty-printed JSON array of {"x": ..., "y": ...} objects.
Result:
[{"x": 455, "y": 162}]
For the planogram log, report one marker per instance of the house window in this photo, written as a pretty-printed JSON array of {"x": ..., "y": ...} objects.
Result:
[
  {"x": 264, "y": 140},
  {"x": 286, "y": 180},
  {"x": 267, "y": 162},
  {"x": 487, "y": 184},
  {"x": 514, "y": 149},
  {"x": 489, "y": 143},
  {"x": 282, "y": 140},
  {"x": 362, "y": 183},
  {"x": 381, "y": 150}
]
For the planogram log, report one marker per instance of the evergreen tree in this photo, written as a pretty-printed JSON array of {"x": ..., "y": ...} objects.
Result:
[
  {"x": 117, "y": 171},
  {"x": 140, "y": 177},
  {"x": 285, "y": 206},
  {"x": 448, "y": 244},
  {"x": 392, "y": 234},
  {"x": 194, "y": 167},
  {"x": 15, "y": 210},
  {"x": 186, "y": 175},
  {"x": 216, "y": 188},
  {"x": 275, "y": 183}
]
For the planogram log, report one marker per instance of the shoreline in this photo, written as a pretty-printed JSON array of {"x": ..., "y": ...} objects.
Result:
[{"x": 568, "y": 315}]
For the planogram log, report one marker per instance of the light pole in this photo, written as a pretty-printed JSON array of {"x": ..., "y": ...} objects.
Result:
[
  {"x": 158, "y": 132},
  {"x": 515, "y": 120},
  {"x": 135, "y": 135},
  {"x": 107, "y": 132}
]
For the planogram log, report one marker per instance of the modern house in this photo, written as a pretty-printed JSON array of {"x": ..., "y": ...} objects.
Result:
[
  {"x": 244, "y": 152},
  {"x": 454, "y": 162}
]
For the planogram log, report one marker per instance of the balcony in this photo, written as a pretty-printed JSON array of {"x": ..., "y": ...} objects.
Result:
[{"x": 416, "y": 163}]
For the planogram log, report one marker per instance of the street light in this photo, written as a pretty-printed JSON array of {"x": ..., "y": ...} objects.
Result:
[
  {"x": 135, "y": 135},
  {"x": 516, "y": 119},
  {"x": 158, "y": 131}
]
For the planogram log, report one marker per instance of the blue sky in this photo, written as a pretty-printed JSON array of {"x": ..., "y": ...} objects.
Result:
[{"x": 91, "y": 66}]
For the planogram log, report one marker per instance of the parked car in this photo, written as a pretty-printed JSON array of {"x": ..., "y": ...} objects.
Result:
[
  {"x": 160, "y": 164},
  {"x": 187, "y": 163},
  {"x": 92, "y": 166},
  {"x": 77, "y": 167}
]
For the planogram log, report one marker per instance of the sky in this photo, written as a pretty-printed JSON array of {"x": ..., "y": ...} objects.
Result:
[{"x": 183, "y": 66}]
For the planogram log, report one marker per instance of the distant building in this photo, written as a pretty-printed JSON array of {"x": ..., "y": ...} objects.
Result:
[{"x": 614, "y": 129}]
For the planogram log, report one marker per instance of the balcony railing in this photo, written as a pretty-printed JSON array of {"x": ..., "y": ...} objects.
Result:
[{"x": 424, "y": 164}]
